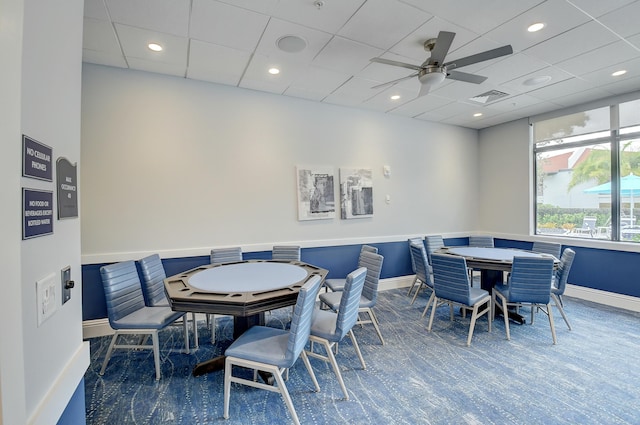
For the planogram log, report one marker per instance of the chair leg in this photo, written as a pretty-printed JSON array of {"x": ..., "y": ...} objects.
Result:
[
  {"x": 376, "y": 324},
  {"x": 558, "y": 302},
  {"x": 185, "y": 326},
  {"x": 357, "y": 347},
  {"x": 227, "y": 387},
  {"x": 109, "y": 352},
  {"x": 505, "y": 314},
  {"x": 417, "y": 292},
  {"x": 156, "y": 353},
  {"x": 336, "y": 368},
  {"x": 415, "y": 280},
  {"x": 551, "y": 324},
  {"x": 433, "y": 312},
  {"x": 307, "y": 364},
  {"x": 194, "y": 325},
  {"x": 433, "y": 294},
  {"x": 286, "y": 397},
  {"x": 472, "y": 325}
]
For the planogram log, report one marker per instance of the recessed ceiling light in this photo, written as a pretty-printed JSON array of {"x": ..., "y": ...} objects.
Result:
[
  {"x": 274, "y": 71},
  {"x": 291, "y": 44},
  {"x": 155, "y": 47},
  {"x": 395, "y": 97},
  {"x": 619, "y": 73},
  {"x": 534, "y": 81},
  {"x": 535, "y": 27},
  {"x": 477, "y": 114}
]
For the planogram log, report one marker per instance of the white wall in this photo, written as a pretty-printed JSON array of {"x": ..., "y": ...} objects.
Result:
[
  {"x": 505, "y": 179},
  {"x": 171, "y": 164},
  {"x": 12, "y": 401},
  {"x": 55, "y": 356}
]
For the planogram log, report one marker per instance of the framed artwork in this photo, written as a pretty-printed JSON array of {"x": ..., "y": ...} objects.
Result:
[
  {"x": 356, "y": 193},
  {"x": 316, "y": 197}
]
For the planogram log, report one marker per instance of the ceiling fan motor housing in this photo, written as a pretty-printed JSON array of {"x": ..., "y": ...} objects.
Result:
[{"x": 431, "y": 75}]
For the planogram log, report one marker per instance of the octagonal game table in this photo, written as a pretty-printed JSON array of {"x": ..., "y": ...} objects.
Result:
[{"x": 244, "y": 290}]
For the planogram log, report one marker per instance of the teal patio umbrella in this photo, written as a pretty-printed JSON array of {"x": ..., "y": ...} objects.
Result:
[{"x": 629, "y": 188}]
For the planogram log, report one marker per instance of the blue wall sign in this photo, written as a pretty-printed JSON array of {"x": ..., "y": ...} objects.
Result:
[
  {"x": 36, "y": 160},
  {"x": 37, "y": 213}
]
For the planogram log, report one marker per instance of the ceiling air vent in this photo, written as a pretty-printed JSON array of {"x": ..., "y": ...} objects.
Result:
[{"x": 488, "y": 97}]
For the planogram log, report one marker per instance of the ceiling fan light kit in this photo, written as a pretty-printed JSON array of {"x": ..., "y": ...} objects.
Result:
[{"x": 434, "y": 70}]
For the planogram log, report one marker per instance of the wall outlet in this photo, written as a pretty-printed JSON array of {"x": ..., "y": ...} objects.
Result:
[{"x": 46, "y": 297}]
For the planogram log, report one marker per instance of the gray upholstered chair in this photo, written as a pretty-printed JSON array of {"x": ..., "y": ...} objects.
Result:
[
  {"x": 222, "y": 256},
  {"x": 369, "y": 297},
  {"x": 419, "y": 255},
  {"x": 128, "y": 314},
  {"x": 451, "y": 286},
  {"x": 547, "y": 248},
  {"x": 416, "y": 279},
  {"x": 285, "y": 252},
  {"x": 226, "y": 255},
  {"x": 560, "y": 281},
  {"x": 153, "y": 276},
  {"x": 529, "y": 284},
  {"x": 274, "y": 351},
  {"x": 481, "y": 241},
  {"x": 433, "y": 243},
  {"x": 336, "y": 284},
  {"x": 328, "y": 328}
]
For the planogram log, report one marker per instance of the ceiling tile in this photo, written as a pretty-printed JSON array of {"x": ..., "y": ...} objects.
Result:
[
  {"x": 316, "y": 83},
  {"x": 416, "y": 106},
  {"x": 516, "y": 65},
  {"x": 102, "y": 58},
  {"x": 391, "y": 19},
  {"x": 100, "y": 36},
  {"x": 383, "y": 102},
  {"x": 623, "y": 21},
  {"x": 558, "y": 17},
  {"x": 330, "y": 17},
  {"x": 226, "y": 25},
  {"x": 605, "y": 56},
  {"x": 256, "y": 76},
  {"x": 135, "y": 40},
  {"x": 218, "y": 64},
  {"x": 572, "y": 43},
  {"x": 265, "y": 7},
  {"x": 157, "y": 67},
  {"x": 477, "y": 16},
  {"x": 354, "y": 92},
  {"x": 95, "y": 9},
  {"x": 562, "y": 89},
  {"x": 597, "y": 8},
  {"x": 168, "y": 16},
  {"x": 518, "y": 85},
  {"x": 344, "y": 55},
  {"x": 277, "y": 28}
]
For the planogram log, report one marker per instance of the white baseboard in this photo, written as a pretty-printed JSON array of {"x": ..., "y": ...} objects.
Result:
[
  {"x": 603, "y": 297},
  {"x": 100, "y": 327}
]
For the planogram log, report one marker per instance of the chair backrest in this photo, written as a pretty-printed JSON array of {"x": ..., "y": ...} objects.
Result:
[
  {"x": 433, "y": 243},
  {"x": 350, "y": 301},
  {"x": 301, "y": 319},
  {"x": 285, "y": 252},
  {"x": 451, "y": 278},
  {"x": 530, "y": 280},
  {"x": 153, "y": 276},
  {"x": 226, "y": 255},
  {"x": 481, "y": 241},
  {"x": 563, "y": 269},
  {"x": 547, "y": 248},
  {"x": 373, "y": 263},
  {"x": 416, "y": 241},
  {"x": 368, "y": 248},
  {"x": 122, "y": 290},
  {"x": 419, "y": 255}
]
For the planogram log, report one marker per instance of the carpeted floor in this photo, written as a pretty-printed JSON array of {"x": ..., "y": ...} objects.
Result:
[{"x": 592, "y": 376}]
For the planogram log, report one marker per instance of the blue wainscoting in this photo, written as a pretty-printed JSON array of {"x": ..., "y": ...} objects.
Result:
[{"x": 606, "y": 270}]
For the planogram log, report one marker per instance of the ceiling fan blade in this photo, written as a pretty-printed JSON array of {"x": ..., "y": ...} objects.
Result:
[
  {"x": 396, "y": 63},
  {"x": 466, "y": 77},
  {"x": 388, "y": 83},
  {"x": 441, "y": 47},
  {"x": 480, "y": 57}
]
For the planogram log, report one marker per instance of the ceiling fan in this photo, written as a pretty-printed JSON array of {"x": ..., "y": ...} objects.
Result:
[{"x": 434, "y": 70}]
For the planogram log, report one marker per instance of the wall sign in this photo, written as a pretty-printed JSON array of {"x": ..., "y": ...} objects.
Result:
[
  {"x": 37, "y": 213},
  {"x": 67, "y": 183},
  {"x": 36, "y": 160}
]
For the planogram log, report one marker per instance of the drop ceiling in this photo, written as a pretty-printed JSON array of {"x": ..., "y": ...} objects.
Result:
[{"x": 235, "y": 42}]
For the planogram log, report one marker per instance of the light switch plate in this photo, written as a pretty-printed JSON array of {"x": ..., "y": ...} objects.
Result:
[{"x": 46, "y": 297}]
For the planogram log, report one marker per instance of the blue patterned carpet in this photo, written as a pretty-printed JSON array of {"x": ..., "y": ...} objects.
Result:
[{"x": 591, "y": 377}]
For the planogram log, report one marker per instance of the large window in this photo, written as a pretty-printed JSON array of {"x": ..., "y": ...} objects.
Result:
[{"x": 587, "y": 168}]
